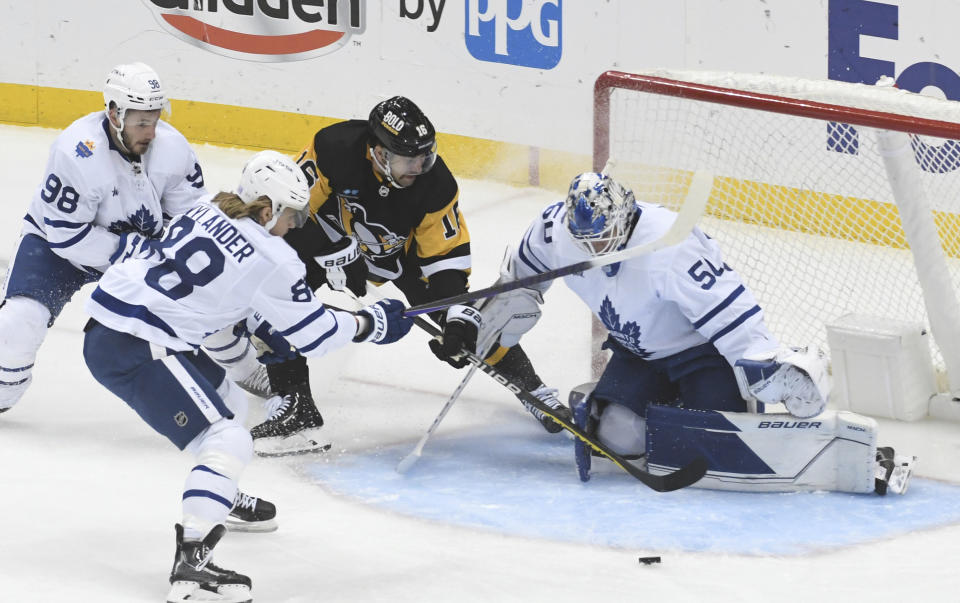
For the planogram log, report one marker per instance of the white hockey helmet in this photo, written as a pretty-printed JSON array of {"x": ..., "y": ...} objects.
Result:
[
  {"x": 600, "y": 213},
  {"x": 275, "y": 176},
  {"x": 134, "y": 86}
]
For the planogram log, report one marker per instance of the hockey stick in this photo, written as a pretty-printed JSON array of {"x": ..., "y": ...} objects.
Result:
[
  {"x": 681, "y": 478},
  {"x": 408, "y": 461},
  {"x": 695, "y": 202}
]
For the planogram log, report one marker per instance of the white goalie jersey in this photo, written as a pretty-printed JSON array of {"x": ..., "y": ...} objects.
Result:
[
  {"x": 657, "y": 304},
  {"x": 90, "y": 192},
  {"x": 208, "y": 273}
]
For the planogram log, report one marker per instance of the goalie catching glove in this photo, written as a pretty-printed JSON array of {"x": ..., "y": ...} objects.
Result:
[
  {"x": 344, "y": 267},
  {"x": 459, "y": 335},
  {"x": 795, "y": 377}
]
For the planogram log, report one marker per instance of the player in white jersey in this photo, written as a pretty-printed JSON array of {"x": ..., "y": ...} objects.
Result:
[
  {"x": 222, "y": 261},
  {"x": 111, "y": 172},
  {"x": 690, "y": 352}
]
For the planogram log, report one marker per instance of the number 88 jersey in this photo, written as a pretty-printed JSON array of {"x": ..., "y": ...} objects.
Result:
[{"x": 209, "y": 272}]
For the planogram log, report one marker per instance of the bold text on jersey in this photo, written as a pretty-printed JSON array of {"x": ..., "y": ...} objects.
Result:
[{"x": 222, "y": 231}]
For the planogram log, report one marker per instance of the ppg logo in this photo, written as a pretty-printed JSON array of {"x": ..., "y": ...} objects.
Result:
[{"x": 516, "y": 32}]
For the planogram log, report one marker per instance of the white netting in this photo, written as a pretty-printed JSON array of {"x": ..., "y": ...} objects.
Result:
[{"x": 802, "y": 207}]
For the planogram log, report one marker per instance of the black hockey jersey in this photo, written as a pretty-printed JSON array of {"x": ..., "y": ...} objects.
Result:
[{"x": 397, "y": 228}]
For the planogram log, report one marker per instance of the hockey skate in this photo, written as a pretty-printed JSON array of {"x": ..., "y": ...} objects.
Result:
[
  {"x": 893, "y": 471},
  {"x": 549, "y": 397},
  {"x": 257, "y": 383},
  {"x": 251, "y": 514},
  {"x": 292, "y": 427},
  {"x": 194, "y": 577}
]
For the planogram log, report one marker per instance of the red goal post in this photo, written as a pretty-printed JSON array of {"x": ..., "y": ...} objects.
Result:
[{"x": 831, "y": 199}]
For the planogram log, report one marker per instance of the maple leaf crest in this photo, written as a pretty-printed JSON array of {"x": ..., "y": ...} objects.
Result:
[
  {"x": 141, "y": 221},
  {"x": 627, "y": 335}
]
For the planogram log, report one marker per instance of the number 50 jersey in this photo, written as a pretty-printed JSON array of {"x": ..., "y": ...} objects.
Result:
[{"x": 209, "y": 272}]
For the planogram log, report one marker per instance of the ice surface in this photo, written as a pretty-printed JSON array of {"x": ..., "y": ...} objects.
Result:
[{"x": 492, "y": 512}]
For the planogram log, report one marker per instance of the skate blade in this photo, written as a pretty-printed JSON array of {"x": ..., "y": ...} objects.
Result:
[
  {"x": 188, "y": 592},
  {"x": 303, "y": 442},
  {"x": 238, "y": 525}
]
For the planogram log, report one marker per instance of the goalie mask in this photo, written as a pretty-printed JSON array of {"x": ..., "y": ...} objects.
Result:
[
  {"x": 408, "y": 139},
  {"x": 275, "y": 176},
  {"x": 599, "y": 213},
  {"x": 134, "y": 86}
]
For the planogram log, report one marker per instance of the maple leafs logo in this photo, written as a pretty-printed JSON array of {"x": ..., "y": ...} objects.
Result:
[
  {"x": 627, "y": 335},
  {"x": 141, "y": 221}
]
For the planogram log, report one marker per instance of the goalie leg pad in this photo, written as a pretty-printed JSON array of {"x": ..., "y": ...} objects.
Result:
[
  {"x": 766, "y": 453},
  {"x": 622, "y": 430}
]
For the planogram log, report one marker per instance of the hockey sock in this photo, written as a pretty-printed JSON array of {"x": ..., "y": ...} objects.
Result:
[
  {"x": 223, "y": 450},
  {"x": 516, "y": 366},
  {"x": 289, "y": 375},
  {"x": 233, "y": 352},
  {"x": 23, "y": 322}
]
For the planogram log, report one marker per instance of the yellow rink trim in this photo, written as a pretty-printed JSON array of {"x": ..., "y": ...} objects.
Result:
[
  {"x": 254, "y": 129},
  {"x": 804, "y": 211},
  {"x": 785, "y": 208}
]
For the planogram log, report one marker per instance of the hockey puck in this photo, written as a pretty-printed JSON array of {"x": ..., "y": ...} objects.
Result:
[{"x": 649, "y": 560}]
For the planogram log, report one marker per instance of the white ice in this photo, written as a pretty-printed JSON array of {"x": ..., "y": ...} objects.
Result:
[{"x": 89, "y": 494}]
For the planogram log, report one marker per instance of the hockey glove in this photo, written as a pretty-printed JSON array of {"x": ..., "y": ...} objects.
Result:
[
  {"x": 271, "y": 346},
  {"x": 134, "y": 244},
  {"x": 383, "y": 322},
  {"x": 795, "y": 377},
  {"x": 459, "y": 335},
  {"x": 344, "y": 267}
]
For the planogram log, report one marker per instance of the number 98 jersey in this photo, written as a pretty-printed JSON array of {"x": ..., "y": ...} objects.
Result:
[{"x": 90, "y": 192}]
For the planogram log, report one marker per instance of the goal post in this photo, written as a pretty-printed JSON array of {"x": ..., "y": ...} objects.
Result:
[{"x": 830, "y": 199}]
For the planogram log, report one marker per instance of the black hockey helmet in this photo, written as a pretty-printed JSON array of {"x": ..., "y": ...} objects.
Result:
[{"x": 402, "y": 128}]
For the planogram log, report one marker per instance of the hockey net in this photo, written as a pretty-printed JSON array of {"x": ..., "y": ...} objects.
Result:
[{"x": 813, "y": 183}]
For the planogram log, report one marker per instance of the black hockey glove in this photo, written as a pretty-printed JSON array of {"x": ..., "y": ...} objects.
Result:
[
  {"x": 344, "y": 267},
  {"x": 459, "y": 335}
]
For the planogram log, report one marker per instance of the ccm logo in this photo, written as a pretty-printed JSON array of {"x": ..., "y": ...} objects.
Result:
[{"x": 262, "y": 30}]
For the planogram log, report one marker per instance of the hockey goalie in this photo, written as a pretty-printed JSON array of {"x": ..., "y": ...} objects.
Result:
[{"x": 693, "y": 365}]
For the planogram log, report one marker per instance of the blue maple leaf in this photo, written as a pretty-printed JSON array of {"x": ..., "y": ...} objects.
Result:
[
  {"x": 628, "y": 335},
  {"x": 631, "y": 330},
  {"x": 144, "y": 221},
  {"x": 608, "y": 315}
]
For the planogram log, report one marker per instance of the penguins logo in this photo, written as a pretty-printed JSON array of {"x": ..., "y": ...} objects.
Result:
[{"x": 376, "y": 240}]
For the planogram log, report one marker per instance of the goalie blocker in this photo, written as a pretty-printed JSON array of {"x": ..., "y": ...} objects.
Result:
[{"x": 836, "y": 450}]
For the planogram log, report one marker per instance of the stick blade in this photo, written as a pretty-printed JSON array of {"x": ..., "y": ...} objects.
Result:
[
  {"x": 407, "y": 462},
  {"x": 681, "y": 478}
]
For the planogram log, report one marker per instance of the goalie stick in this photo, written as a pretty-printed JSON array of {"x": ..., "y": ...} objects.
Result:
[
  {"x": 681, "y": 478},
  {"x": 695, "y": 202}
]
